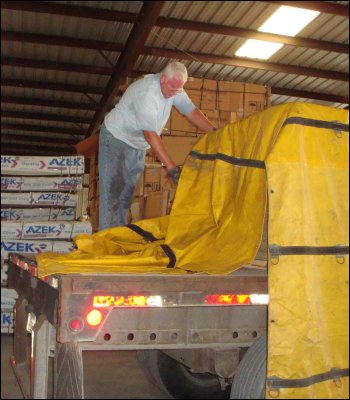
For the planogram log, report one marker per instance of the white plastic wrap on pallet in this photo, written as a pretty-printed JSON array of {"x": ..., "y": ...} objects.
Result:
[
  {"x": 7, "y": 318},
  {"x": 4, "y": 268},
  {"x": 29, "y": 183},
  {"x": 38, "y": 214},
  {"x": 83, "y": 198},
  {"x": 35, "y": 246},
  {"x": 39, "y": 199},
  {"x": 4, "y": 265},
  {"x": 43, "y": 230},
  {"x": 23, "y": 199},
  {"x": 38, "y": 165},
  {"x": 8, "y": 298},
  {"x": 3, "y": 278}
]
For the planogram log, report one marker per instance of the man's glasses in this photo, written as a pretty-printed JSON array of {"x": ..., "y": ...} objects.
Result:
[{"x": 174, "y": 90}]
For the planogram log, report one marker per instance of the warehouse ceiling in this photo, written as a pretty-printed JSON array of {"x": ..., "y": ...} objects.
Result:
[{"x": 65, "y": 63}]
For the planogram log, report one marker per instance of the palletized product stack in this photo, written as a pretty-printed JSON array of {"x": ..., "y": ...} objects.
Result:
[
  {"x": 222, "y": 102},
  {"x": 39, "y": 197}
]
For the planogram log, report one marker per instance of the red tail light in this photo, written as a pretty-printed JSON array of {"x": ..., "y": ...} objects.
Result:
[{"x": 76, "y": 324}]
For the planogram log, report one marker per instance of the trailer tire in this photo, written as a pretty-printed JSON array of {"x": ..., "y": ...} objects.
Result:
[
  {"x": 250, "y": 378},
  {"x": 174, "y": 379}
]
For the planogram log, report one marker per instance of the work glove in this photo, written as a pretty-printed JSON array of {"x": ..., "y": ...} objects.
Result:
[{"x": 174, "y": 175}]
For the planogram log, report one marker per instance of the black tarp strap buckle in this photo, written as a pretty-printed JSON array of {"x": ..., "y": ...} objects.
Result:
[
  {"x": 339, "y": 251},
  {"x": 274, "y": 384},
  {"x": 337, "y": 127}
]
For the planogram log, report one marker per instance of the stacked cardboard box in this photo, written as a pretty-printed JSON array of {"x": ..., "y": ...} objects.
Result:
[
  {"x": 153, "y": 194},
  {"x": 39, "y": 205},
  {"x": 224, "y": 102},
  {"x": 221, "y": 102}
]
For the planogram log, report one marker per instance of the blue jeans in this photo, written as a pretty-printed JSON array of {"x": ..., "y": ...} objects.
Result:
[{"x": 120, "y": 167}]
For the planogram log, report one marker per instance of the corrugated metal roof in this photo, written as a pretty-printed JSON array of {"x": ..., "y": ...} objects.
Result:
[{"x": 189, "y": 45}]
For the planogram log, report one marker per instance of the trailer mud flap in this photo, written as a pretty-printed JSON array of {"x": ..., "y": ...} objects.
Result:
[{"x": 68, "y": 371}]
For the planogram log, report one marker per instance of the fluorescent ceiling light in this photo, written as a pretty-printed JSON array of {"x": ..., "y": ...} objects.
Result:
[
  {"x": 258, "y": 49},
  {"x": 284, "y": 21}
]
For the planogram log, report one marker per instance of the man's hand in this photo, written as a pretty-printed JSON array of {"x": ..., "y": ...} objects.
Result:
[
  {"x": 157, "y": 145},
  {"x": 200, "y": 120},
  {"x": 174, "y": 175}
]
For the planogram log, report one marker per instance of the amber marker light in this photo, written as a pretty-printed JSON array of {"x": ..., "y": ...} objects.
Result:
[{"x": 94, "y": 317}]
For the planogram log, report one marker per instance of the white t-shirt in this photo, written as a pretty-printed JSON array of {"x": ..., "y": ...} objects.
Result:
[{"x": 144, "y": 108}]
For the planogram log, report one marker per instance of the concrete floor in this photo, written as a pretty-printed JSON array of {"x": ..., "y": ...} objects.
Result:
[{"x": 107, "y": 375}]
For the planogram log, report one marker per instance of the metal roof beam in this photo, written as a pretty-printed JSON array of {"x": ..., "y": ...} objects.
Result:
[
  {"x": 45, "y": 117},
  {"x": 17, "y": 149},
  {"x": 133, "y": 47},
  {"x": 54, "y": 65},
  {"x": 244, "y": 63},
  {"x": 174, "y": 23},
  {"x": 167, "y": 53},
  {"x": 252, "y": 34},
  {"x": 68, "y": 10},
  {"x": 275, "y": 90},
  {"x": 65, "y": 87},
  {"x": 196, "y": 26},
  {"x": 67, "y": 41},
  {"x": 42, "y": 139},
  {"x": 32, "y": 101},
  {"x": 39, "y": 128},
  {"x": 326, "y": 7},
  {"x": 310, "y": 95}
]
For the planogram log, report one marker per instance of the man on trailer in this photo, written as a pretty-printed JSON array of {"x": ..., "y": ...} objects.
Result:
[{"x": 130, "y": 128}]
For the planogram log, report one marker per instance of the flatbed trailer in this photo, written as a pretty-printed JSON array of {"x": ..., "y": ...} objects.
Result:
[{"x": 201, "y": 323}]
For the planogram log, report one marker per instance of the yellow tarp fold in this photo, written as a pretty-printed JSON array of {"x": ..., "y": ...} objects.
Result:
[{"x": 295, "y": 155}]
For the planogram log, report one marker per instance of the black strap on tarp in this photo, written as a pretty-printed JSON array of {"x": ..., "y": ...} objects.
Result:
[
  {"x": 229, "y": 159},
  {"x": 334, "y": 125},
  {"x": 145, "y": 234},
  {"x": 279, "y": 383},
  {"x": 276, "y": 250},
  {"x": 149, "y": 236},
  {"x": 172, "y": 258}
]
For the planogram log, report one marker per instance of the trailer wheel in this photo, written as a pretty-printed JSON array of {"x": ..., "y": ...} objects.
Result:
[
  {"x": 176, "y": 380},
  {"x": 250, "y": 378}
]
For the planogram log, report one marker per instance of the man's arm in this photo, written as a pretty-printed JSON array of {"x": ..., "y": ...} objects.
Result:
[
  {"x": 200, "y": 120},
  {"x": 158, "y": 147}
]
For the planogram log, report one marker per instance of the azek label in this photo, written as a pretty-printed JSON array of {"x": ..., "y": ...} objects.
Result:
[
  {"x": 65, "y": 162},
  {"x": 45, "y": 230},
  {"x": 45, "y": 183},
  {"x": 38, "y": 165},
  {"x": 35, "y": 246}
]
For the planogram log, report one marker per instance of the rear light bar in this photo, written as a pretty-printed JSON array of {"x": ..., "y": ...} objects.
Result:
[
  {"x": 103, "y": 301},
  {"x": 25, "y": 264},
  {"x": 236, "y": 299}
]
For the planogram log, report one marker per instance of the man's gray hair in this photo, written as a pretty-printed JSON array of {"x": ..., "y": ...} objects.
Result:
[{"x": 175, "y": 68}]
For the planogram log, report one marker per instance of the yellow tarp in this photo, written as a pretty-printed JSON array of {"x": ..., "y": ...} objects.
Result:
[
  {"x": 308, "y": 194},
  {"x": 297, "y": 156}
]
